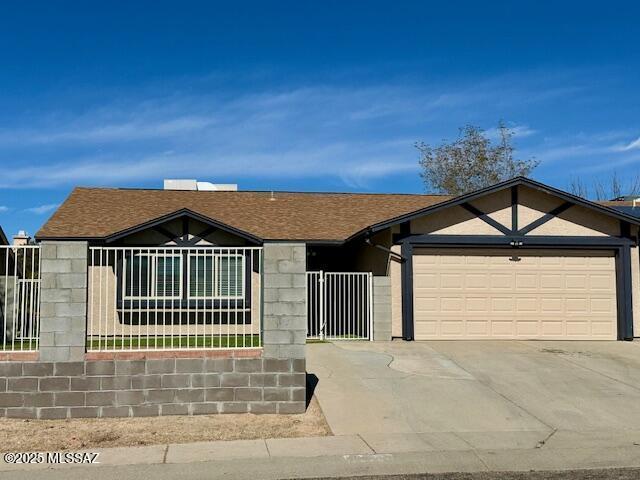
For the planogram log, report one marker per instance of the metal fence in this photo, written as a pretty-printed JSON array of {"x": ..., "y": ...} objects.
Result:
[
  {"x": 161, "y": 298},
  {"x": 339, "y": 305},
  {"x": 19, "y": 297}
]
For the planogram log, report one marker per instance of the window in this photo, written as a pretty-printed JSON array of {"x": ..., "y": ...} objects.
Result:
[
  {"x": 216, "y": 276},
  {"x": 151, "y": 275},
  {"x": 230, "y": 276}
]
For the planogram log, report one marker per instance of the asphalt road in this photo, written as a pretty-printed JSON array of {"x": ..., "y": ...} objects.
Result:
[{"x": 607, "y": 474}]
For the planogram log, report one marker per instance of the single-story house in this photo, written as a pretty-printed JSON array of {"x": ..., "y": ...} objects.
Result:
[
  {"x": 164, "y": 302},
  {"x": 517, "y": 260}
]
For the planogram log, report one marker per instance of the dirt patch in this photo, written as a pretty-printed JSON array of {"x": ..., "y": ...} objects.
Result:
[{"x": 74, "y": 434}]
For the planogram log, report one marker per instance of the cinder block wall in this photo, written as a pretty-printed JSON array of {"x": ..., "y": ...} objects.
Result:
[
  {"x": 63, "y": 383},
  {"x": 63, "y": 301},
  {"x": 171, "y": 386},
  {"x": 285, "y": 300},
  {"x": 382, "y": 308}
]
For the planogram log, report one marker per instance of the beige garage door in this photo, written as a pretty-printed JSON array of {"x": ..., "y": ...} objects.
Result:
[{"x": 543, "y": 294}]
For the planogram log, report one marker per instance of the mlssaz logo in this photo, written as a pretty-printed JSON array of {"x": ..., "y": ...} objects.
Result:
[{"x": 72, "y": 457}]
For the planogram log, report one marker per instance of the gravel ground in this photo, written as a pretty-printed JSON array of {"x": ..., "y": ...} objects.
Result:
[
  {"x": 74, "y": 434},
  {"x": 607, "y": 474}
]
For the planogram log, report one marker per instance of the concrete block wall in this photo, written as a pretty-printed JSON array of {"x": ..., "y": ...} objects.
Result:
[
  {"x": 381, "y": 308},
  {"x": 63, "y": 300},
  {"x": 285, "y": 307},
  {"x": 151, "y": 387}
]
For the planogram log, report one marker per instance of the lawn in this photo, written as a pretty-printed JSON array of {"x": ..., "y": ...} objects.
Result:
[
  {"x": 19, "y": 345},
  {"x": 151, "y": 342}
]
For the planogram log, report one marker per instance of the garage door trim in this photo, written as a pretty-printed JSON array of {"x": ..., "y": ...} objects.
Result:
[{"x": 620, "y": 247}]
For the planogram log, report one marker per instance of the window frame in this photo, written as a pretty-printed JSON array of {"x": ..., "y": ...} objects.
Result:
[
  {"x": 215, "y": 277},
  {"x": 153, "y": 286}
]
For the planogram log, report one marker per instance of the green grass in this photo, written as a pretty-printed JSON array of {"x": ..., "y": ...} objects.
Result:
[
  {"x": 224, "y": 341},
  {"x": 19, "y": 345}
]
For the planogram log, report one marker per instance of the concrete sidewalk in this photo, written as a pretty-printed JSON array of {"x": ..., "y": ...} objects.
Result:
[{"x": 345, "y": 455}]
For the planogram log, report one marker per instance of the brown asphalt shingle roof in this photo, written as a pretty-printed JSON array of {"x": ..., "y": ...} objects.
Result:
[{"x": 101, "y": 212}]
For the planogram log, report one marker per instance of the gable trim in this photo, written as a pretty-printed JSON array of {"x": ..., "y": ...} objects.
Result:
[
  {"x": 182, "y": 213},
  {"x": 514, "y": 182}
]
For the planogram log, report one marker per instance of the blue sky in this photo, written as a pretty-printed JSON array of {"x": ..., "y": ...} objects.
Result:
[{"x": 304, "y": 95}]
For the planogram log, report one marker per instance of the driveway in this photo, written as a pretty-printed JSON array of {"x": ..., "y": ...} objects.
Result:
[{"x": 483, "y": 394}]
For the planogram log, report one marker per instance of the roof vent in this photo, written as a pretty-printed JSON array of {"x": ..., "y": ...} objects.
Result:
[
  {"x": 188, "y": 184},
  {"x": 180, "y": 184},
  {"x": 217, "y": 187}
]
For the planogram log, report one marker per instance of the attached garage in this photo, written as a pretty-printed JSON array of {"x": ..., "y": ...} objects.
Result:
[
  {"x": 519, "y": 260},
  {"x": 525, "y": 294}
]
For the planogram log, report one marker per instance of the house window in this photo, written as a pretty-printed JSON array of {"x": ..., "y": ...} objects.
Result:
[
  {"x": 151, "y": 276},
  {"x": 216, "y": 276}
]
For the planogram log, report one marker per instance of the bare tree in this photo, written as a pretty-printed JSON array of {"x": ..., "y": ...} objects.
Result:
[
  {"x": 606, "y": 188},
  {"x": 471, "y": 162},
  {"x": 578, "y": 187}
]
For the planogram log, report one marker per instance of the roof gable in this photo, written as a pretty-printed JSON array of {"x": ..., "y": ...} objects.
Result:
[{"x": 463, "y": 199}]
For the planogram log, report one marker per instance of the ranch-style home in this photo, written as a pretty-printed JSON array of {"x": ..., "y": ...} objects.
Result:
[{"x": 199, "y": 298}]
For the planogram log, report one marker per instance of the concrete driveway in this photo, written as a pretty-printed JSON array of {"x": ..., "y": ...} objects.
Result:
[{"x": 485, "y": 394}]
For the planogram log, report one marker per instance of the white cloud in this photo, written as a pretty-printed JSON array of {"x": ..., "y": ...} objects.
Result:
[
  {"x": 3, "y": 209},
  {"x": 634, "y": 145},
  {"x": 42, "y": 209},
  {"x": 354, "y": 134}
]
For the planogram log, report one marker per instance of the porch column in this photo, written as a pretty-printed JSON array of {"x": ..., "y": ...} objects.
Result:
[
  {"x": 63, "y": 304},
  {"x": 285, "y": 307}
]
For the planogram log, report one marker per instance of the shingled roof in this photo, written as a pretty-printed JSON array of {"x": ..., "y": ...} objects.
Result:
[{"x": 96, "y": 213}]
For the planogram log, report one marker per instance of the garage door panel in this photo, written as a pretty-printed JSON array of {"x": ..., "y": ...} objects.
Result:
[
  {"x": 478, "y": 328},
  {"x": 546, "y": 295},
  {"x": 576, "y": 281},
  {"x": 551, "y": 281},
  {"x": 502, "y": 281},
  {"x": 477, "y": 305},
  {"x": 452, "y": 280},
  {"x": 552, "y": 305},
  {"x": 604, "y": 283},
  {"x": 526, "y": 281},
  {"x": 527, "y": 305},
  {"x": 526, "y": 328},
  {"x": 502, "y": 328},
  {"x": 502, "y": 304},
  {"x": 477, "y": 280},
  {"x": 603, "y": 305}
]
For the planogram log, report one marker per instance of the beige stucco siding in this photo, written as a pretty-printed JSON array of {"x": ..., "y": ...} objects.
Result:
[
  {"x": 452, "y": 221},
  {"x": 576, "y": 221},
  {"x": 395, "y": 270}
]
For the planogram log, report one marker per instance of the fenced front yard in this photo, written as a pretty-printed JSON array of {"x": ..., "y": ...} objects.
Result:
[
  {"x": 159, "y": 298},
  {"x": 19, "y": 297}
]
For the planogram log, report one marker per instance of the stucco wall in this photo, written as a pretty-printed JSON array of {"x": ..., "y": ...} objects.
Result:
[{"x": 395, "y": 272}]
